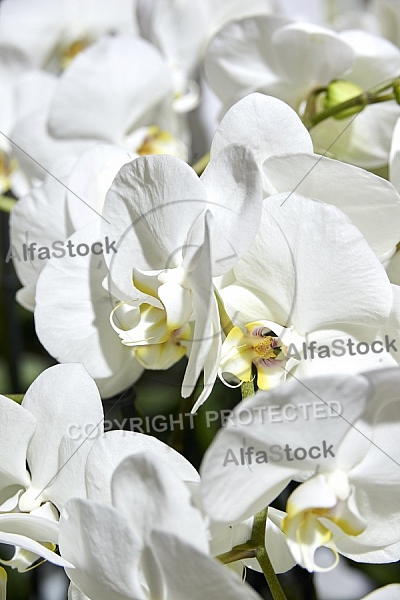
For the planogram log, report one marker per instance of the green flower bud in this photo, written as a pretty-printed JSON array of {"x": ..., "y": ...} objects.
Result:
[{"x": 339, "y": 91}]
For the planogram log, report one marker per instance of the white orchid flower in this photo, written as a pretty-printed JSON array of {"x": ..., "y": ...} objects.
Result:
[
  {"x": 290, "y": 60},
  {"x": 33, "y": 37},
  {"x": 61, "y": 30},
  {"x": 181, "y": 30},
  {"x": 130, "y": 85},
  {"x": 348, "y": 462},
  {"x": 110, "y": 449},
  {"x": 130, "y": 549},
  {"x": 50, "y": 33},
  {"x": 159, "y": 279},
  {"x": 51, "y": 212},
  {"x": 172, "y": 273},
  {"x": 314, "y": 306},
  {"x": 41, "y": 466},
  {"x": 284, "y": 151}
]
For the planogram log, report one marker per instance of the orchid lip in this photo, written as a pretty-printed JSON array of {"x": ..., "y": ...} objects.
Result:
[
  {"x": 30, "y": 499},
  {"x": 261, "y": 345}
]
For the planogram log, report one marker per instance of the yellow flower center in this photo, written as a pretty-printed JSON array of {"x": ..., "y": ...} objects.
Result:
[
  {"x": 265, "y": 349},
  {"x": 68, "y": 53},
  {"x": 159, "y": 141},
  {"x": 307, "y": 527}
]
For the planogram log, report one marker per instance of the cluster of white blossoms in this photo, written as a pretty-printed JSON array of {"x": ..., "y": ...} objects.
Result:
[{"x": 272, "y": 264}]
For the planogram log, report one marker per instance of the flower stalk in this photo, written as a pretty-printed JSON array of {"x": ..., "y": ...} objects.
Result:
[
  {"x": 382, "y": 93},
  {"x": 258, "y": 539}
]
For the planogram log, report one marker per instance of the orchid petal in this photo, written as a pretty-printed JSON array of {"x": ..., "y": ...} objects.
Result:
[
  {"x": 376, "y": 59},
  {"x": 234, "y": 193},
  {"x": 88, "y": 337},
  {"x": 141, "y": 485},
  {"x": 206, "y": 341},
  {"x": 202, "y": 577},
  {"x": 27, "y": 227},
  {"x": 178, "y": 30},
  {"x": 75, "y": 594},
  {"x": 22, "y": 541},
  {"x": 160, "y": 356},
  {"x": 17, "y": 426},
  {"x": 224, "y": 476},
  {"x": 90, "y": 180},
  {"x": 307, "y": 53},
  {"x": 91, "y": 532},
  {"x": 109, "y": 450},
  {"x": 238, "y": 57},
  {"x": 172, "y": 194},
  {"x": 357, "y": 289},
  {"x": 394, "y": 158},
  {"x": 38, "y": 30},
  {"x": 384, "y": 593},
  {"x": 61, "y": 388},
  {"x": 126, "y": 91},
  {"x": 39, "y": 152},
  {"x": 265, "y": 125},
  {"x": 371, "y": 202},
  {"x": 27, "y": 531},
  {"x": 347, "y": 350},
  {"x": 177, "y": 302}
]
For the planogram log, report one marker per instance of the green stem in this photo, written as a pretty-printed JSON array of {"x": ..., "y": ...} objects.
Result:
[
  {"x": 258, "y": 540},
  {"x": 385, "y": 86},
  {"x": 311, "y": 105},
  {"x": 360, "y": 101},
  {"x": 247, "y": 389},
  {"x": 255, "y": 548},
  {"x": 7, "y": 204},
  {"x": 237, "y": 553},
  {"x": 372, "y": 96}
]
